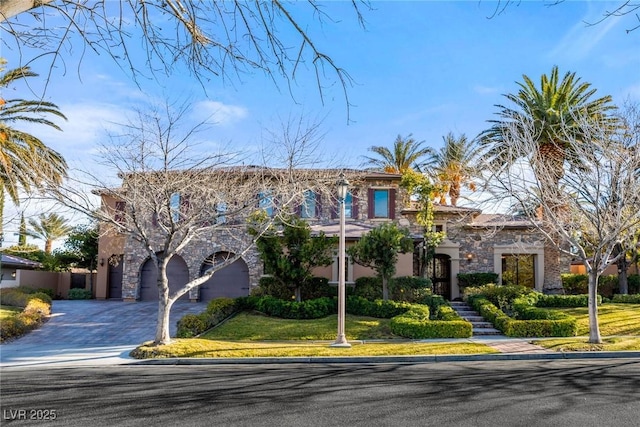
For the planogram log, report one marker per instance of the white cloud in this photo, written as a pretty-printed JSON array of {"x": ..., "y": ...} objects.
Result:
[
  {"x": 485, "y": 90},
  {"x": 221, "y": 114}
]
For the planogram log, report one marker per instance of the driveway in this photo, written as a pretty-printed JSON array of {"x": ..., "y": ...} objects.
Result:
[{"x": 91, "y": 329}]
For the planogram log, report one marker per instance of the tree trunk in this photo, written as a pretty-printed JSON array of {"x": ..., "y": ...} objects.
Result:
[
  {"x": 385, "y": 289},
  {"x": 594, "y": 328},
  {"x": 163, "y": 336},
  {"x": 623, "y": 281},
  {"x": 298, "y": 294}
]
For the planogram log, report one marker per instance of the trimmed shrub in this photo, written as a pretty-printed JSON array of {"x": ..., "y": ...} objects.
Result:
[
  {"x": 310, "y": 309},
  {"x": 381, "y": 309},
  {"x": 565, "y": 300},
  {"x": 626, "y": 299},
  {"x": 575, "y": 284},
  {"x": 79, "y": 293},
  {"x": 316, "y": 287},
  {"x": 533, "y": 322},
  {"x": 369, "y": 288},
  {"x": 633, "y": 281},
  {"x": 415, "y": 323},
  {"x": 501, "y": 296},
  {"x": 37, "y": 306},
  {"x": 409, "y": 289},
  {"x": 219, "y": 309},
  {"x": 608, "y": 286},
  {"x": 476, "y": 279}
]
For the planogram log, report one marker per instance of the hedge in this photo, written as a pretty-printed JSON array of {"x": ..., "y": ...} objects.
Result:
[
  {"x": 626, "y": 299},
  {"x": 476, "y": 279},
  {"x": 564, "y": 300},
  {"x": 37, "y": 306},
  {"x": 316, "y": 287},
  {"x": 533, "y": 322},
  {"x": 576, "y": 284},
  {"x": 381, "y": 309},
  {"x": 78, "y": 293},
  {"x": 219, "y": 309}
]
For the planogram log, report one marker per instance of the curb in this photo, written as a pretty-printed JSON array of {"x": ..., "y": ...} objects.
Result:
[{"x": 392, "y": 359}]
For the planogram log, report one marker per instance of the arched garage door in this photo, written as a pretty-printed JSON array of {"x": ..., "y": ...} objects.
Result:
[
  {"x": 177, "y": 272},
  {"x": 231, "y": 282},
  {"x": 115, "y": 267}
]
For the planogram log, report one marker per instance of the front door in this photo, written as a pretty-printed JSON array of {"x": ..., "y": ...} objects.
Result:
[{"x": 440, "y": 274}]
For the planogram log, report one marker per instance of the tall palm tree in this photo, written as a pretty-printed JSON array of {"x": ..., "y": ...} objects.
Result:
[
  {"x": 25, "y": 161},
  {"x": 49, "y": 228},
  {"x": 453, "y": 166},
  {"x": 406, "y": 154},
  {"x": 556, "y": 109}
]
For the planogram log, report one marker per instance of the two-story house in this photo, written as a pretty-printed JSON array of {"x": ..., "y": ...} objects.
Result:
[{"x": 475, "y": 242}]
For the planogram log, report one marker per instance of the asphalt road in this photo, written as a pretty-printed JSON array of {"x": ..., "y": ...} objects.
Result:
[{"x": 495, "y": 393}]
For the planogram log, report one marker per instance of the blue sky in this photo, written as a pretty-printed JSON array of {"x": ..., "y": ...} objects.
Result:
[{"x": 420, "y": 67}]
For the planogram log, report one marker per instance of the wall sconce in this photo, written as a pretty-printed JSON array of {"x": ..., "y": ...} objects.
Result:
[
  {"x": 101, "y": 262},
  {"x": 469, "y": 257},
  {"x": 13, "y": 274}
]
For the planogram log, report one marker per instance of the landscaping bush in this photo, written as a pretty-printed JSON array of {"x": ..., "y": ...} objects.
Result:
[
  {"x": 608, "y": 286},
  {"x": 533, "y": 322},
  {"x": 37, "y": 306},
  {"x": 415, "y": 323},
  {"x": 409, "y": 289},
  {"x": 626, "y": 299},
  {"x": 501, "y": 296},
  {"x": 79, "y": 293},
  {"x": 476, "y": 279},
  {"x": 575, "y": 284},
  {"x": 633, "y": 282},
  {"x": 317, "y": 287},
  {"x": 381, "y": 309},
  {"x": 310, "y": 309},
  {"x": 369, "y": 288},
  {"x": 564, "y": 300},
  {"x": 219, "y": 309}
]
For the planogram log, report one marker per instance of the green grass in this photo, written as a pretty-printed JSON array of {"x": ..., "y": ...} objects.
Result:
[
  {"x": 195, "y": 347},
  {"x": 7, "y": 311},
  {"x": 619, "y": 327},
  {"x": 256, "y": 327}
]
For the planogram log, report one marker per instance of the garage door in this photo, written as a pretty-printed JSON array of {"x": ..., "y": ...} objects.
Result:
[
  {"x": 177, "y": 273},
  {"x": 231, "y": 282}
]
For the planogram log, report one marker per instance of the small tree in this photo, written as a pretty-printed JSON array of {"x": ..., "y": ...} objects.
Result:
[
  {"x": 422, "y": 191},
  {"x": 290, "y": 252},
  {"x": 175, "y": 193},
  {"x": 592, "y": 209},
  {"x": 49, "y": 227},
  {"x": 379, "y": 250}
]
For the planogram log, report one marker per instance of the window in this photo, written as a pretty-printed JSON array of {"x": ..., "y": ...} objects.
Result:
[
  {"x": 350, "y": 207},
  {"x": 120, "y": 212},
  {"x": 382, "y": 203},
  {"x": 265, "y": 202},
  {"x": 309, "y": 206},
  {"x": 221, "y": 209},
  {"x": 518, "y": 270},
  {"x": 174, "y": 203}
]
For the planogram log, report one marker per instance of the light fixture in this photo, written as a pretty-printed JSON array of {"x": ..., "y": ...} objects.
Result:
[
  {"x": 101, "y": 262},
  {"x": 341, "y": 341},
  {"x": 13, "y": 274},
  {"x": 469, "y": 257}
]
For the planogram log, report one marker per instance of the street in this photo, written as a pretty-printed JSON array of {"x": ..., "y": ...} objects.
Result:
[{"x": 490, "y": 393}]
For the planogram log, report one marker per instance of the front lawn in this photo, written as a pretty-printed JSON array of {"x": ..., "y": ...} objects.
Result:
[
  {"x": 619, "y": 327},
  {"x": 196, "y": 347},
  {"x": 257, "y": 327}
]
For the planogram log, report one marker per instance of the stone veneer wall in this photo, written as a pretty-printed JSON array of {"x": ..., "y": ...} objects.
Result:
[{"x": 194, "y": 255}]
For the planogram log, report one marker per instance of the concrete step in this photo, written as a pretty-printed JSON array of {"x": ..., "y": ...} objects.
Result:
[
  {"x": 486, "y": 331},
  {"x": 473, "y": 319},
  {"x": 480, "y": 325}
]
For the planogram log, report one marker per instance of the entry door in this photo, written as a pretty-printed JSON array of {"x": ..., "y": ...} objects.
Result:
[
  {"x": 177, "y": 273},
  {"x": 115, "y": 277},
  {"x": 441, "y": 275}
]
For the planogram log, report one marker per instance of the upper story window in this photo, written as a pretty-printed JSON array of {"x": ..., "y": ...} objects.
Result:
[
  {"x": 382, "y": 203},
  {"x": 119, "y": 215},
  {"x": 350, "y": 207},
  {"x": 266, "y": 202},
  {"x": 174, "y": 203},
  {"x": 310, "y": 205},
  {"x": 221, "y": 210}
]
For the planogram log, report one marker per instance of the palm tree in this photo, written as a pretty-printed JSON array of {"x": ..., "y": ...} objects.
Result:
[
  {"x": 25, "y": 161},
  {"x": 453, "y": 167},
  {"x": 405, "y": 155},
  {"x": 49, "y": 228},
  {"x": 556, "y": 109}
]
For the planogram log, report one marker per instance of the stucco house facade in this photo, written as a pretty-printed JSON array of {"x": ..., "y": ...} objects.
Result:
[{"x": 474, "y": 242}]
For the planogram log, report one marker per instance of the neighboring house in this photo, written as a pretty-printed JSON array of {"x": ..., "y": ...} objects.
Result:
[
  {"x": 474, "y": 243},
  {"x": 9, "y": 266}
]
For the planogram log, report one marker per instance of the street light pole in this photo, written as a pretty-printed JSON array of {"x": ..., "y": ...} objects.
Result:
[{"x": 341, "y": 340}]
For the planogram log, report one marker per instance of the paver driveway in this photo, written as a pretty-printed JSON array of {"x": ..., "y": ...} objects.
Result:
[{"x": 104, "y": 323}]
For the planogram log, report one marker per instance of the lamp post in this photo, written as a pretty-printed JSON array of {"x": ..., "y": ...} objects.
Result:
[{"x": 341, "y": 340}]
